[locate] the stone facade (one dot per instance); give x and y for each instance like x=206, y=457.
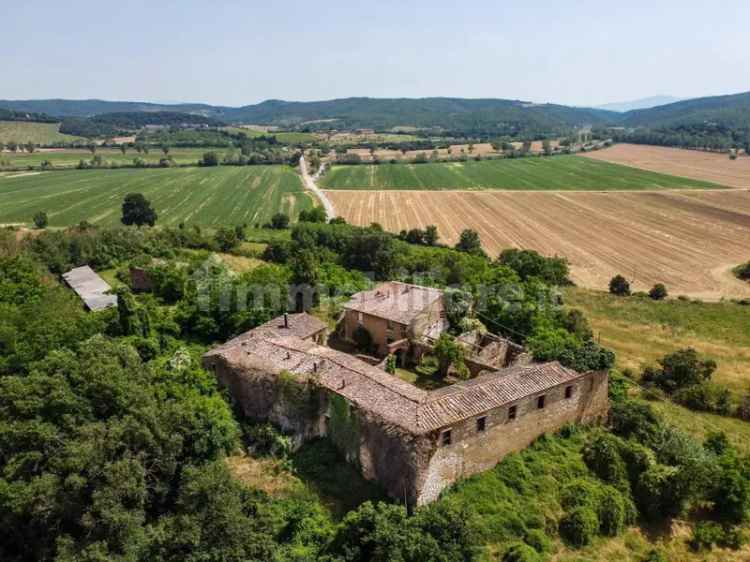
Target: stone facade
x=413, y=442
x=393, y=312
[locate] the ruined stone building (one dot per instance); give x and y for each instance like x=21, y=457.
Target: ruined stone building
x=394, y=314
x=413, y=442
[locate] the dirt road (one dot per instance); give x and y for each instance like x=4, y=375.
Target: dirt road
x=309, y=183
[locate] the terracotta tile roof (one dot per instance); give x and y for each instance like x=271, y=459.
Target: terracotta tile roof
x=90, y=287
x=301, y=325
x=368, y=387
x=388, y=397
x=469, y=398
x=399, y=302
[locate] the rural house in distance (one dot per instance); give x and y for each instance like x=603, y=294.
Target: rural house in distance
x=414, y=442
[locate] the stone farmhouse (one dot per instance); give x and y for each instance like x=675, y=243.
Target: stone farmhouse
x=412, y=441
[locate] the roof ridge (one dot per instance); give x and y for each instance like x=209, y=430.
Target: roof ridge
x=273, y=340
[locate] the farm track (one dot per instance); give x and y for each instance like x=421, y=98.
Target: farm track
x=688, y=239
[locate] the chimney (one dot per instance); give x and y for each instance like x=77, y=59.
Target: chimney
x=286, y=320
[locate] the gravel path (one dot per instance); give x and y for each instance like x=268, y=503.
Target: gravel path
x=309, y=182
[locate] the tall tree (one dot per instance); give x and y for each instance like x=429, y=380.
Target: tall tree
x=137, y=210
x=470, y=242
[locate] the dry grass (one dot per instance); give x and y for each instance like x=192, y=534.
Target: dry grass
x=265, y=474
x=641, y=331
x=240, y=264
x=706, y=166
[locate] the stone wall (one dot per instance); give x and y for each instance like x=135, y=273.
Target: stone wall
x=292, y=405
x=472, y=451
x=382, y=452
x=385, y=453
x=378, y=328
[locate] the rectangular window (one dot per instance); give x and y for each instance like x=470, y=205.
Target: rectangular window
x=512, y=413
x=540, y=403
x=568, y=391
x=481, y=424
x=360, y=318
x=446, y=438
x=390, y=324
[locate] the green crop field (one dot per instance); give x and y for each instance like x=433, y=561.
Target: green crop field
x=37, y=133
x=69, y=158
x=555, y=173
x=209, y=196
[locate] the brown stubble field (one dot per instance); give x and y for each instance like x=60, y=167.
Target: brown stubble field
x=694, y=164
x=688, y=240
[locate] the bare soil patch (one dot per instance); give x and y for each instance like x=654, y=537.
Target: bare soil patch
x=688, y=240
x=694, y=164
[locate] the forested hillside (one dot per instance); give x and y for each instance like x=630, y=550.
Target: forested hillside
x=724, y=111
x=110, y=124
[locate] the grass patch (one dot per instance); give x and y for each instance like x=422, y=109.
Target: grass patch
x=226, y=195
x=70, y=157
x=37, y=133
x=240, y=264
x=641, y=331
x=556, y=173
x=420, y=379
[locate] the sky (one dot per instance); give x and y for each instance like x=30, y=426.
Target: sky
x=231, y=52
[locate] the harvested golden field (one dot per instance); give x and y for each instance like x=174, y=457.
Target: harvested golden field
x=688, y=240
x=694, y=164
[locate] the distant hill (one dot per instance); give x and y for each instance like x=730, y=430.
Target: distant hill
x=731, y=112
x=489, y=115
x=643, y=103
x=89, y=108
x=474, y=116
x=445, y=113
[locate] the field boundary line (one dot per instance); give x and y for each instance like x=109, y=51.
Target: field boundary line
x=551, y=191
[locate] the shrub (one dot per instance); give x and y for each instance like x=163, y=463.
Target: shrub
x=658, y=292
x=706, y=534
x=656, y=556
x=538, y=540
x=657, y=493
x=579, y=526
x=602, y=455
x=521, y=552
x=634, y=419
x=612, y=514
x=706, y=397
x=41, y=220
x=734, y=538
x=743, y=271
x=619, y=286
x=210, y=159
x=279, y=221
x=680, y=369
x=732, y=496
